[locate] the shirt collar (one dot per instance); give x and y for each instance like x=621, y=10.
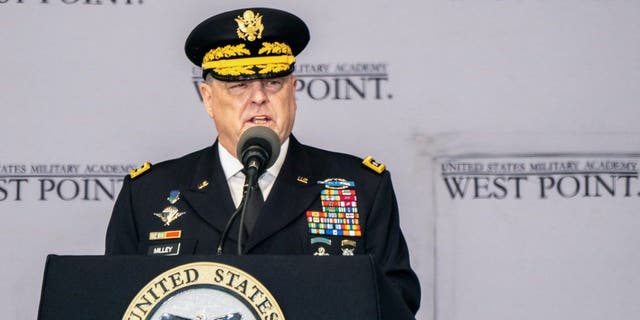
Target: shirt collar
x=231, y=165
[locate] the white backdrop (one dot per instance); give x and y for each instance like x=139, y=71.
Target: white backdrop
x=92, y=87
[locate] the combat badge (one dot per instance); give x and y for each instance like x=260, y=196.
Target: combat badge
x=348, y=247
x=337, y=183
x=169, y=215
x=319, y=242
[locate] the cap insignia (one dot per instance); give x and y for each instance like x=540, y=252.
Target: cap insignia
x=226, y=52
x=250, y=26
x=244, y=66
x=275, y=48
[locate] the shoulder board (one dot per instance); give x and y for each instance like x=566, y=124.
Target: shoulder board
x=373, y=165
x=136, y=172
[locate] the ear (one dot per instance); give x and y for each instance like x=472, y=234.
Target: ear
x=206, y=93
x=293, y=88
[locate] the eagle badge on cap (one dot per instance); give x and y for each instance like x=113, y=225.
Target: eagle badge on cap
x=250, y=26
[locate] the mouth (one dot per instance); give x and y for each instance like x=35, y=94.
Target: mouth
x=260, y=120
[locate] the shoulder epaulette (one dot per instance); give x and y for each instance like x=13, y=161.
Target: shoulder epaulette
x=373, y=165
x=136, y=172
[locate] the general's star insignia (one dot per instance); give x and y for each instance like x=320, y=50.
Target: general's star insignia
x=169, y=214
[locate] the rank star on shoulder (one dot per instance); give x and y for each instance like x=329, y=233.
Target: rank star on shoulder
x=169, y=214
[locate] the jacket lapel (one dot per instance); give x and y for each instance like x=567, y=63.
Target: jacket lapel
x=211, y=200
x=289, y=197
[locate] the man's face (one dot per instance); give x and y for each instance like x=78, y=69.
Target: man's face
x=237, y=106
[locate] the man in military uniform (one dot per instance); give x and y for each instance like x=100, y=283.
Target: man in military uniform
x=316, y=202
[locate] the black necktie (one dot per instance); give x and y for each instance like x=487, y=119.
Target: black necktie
x=254, y=206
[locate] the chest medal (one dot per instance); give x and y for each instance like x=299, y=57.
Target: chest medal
x=339, y=215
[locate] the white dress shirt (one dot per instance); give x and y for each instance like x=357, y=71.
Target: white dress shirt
x=235, y=178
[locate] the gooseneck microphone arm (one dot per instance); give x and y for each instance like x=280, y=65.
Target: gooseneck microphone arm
x=225, y=233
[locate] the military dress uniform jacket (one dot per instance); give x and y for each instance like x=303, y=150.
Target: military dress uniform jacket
x=282, y=228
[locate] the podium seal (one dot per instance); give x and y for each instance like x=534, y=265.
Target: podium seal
x=204, y=291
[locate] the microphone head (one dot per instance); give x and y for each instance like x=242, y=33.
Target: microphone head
x=262, y=137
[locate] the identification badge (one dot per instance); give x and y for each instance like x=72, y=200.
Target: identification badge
x=166, y=249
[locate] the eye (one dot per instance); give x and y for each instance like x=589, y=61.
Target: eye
x=273, y=84
x=236, y=85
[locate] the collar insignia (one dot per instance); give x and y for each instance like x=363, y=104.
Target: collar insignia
x=203, y=184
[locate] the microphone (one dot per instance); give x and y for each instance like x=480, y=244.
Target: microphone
x=257, y=149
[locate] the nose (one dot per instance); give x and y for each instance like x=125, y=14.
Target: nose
x=258, y=93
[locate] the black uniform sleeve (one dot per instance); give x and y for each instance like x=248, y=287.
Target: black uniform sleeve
x=387, y=244
x=122, y=236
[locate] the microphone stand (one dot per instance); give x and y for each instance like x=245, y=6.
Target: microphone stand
x=250, y=185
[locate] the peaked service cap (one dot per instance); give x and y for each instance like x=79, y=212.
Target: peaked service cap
x=245, y=44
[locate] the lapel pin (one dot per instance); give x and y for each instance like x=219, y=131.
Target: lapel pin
x=304, y=180
x=203, y=184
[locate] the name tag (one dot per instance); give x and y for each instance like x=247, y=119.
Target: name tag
x=165, y=249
